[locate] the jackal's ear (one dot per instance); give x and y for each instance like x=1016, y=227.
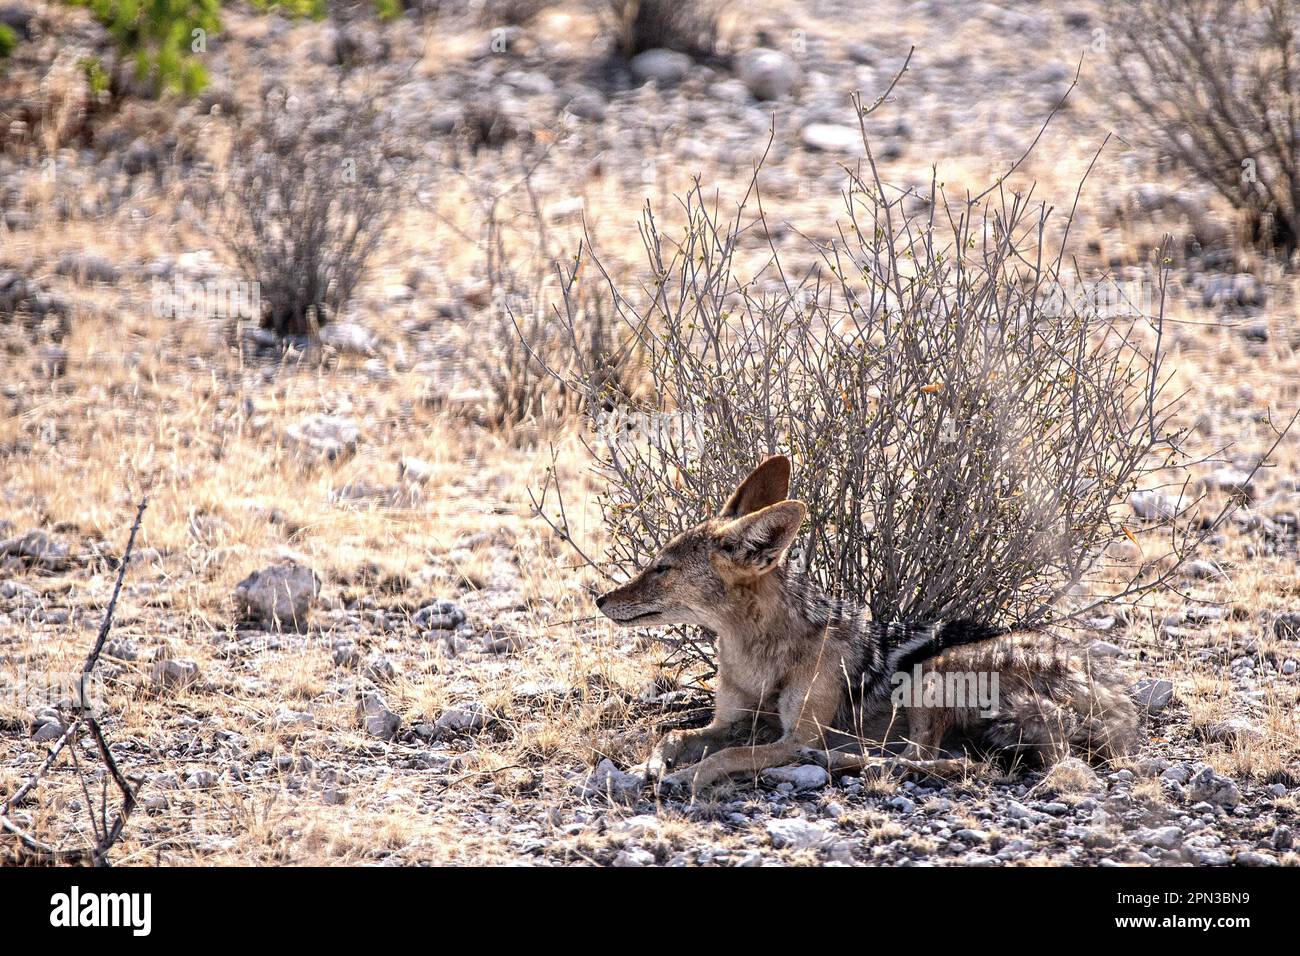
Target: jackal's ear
x=766, y=485
x=759, y=540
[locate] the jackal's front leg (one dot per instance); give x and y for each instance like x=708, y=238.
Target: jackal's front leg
x=683, y=747
x=806, y=710
x=747, y=760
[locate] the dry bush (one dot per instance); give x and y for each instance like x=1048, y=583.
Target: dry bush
x=965, y=429
x=690, y=26
x=1215, y=84
x=531, y=356
x=306, y=198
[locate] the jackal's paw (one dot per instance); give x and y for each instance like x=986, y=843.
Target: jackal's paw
x=676, y=784
x=686, y=781
x=652, y=769
x=669, y=750
x=647, y=771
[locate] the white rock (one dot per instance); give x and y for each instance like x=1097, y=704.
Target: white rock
x=1153, y=694
x=323, y=437
x=1210, y=787
x=174, y=673
x=797, y=834
x=607, y=780
x=1201, y=570
x=1164, y=837
x=1153, y=505
x=665, y=67
x=802, y=776
x=375, y=716
x=768, y=74
x=348, y=337
x=832, y=138
x=278, y=596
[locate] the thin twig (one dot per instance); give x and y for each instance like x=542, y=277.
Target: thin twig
x=106, y=835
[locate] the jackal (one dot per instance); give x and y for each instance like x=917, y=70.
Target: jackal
x=787, y=650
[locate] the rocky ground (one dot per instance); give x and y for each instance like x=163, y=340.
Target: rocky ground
x=344, y=638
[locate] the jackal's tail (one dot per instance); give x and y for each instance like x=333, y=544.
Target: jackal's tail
x=940, y=638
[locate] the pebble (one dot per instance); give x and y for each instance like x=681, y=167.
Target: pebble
x=799, y=776
x=174, y=673
x=1211, y=788
x=1234, y=730
x=832, y=138
x=1164, y=837
x=280, y=595
x=608, y=781
x=767, y=74
x=461, y=720
x=664, y=67
x=796, y=833
x=1153, y=694
x=440, y=615
x=376, y=718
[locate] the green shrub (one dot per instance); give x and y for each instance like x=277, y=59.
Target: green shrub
x=294, y=9
x=8, y=40
x=160, y=38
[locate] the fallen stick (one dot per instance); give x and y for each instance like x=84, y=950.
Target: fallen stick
x=110, y=834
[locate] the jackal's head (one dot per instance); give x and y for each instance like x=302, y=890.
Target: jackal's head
x=701, y=573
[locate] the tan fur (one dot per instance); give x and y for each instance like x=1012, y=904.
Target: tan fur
x=788, y=652
x=1053, y=699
